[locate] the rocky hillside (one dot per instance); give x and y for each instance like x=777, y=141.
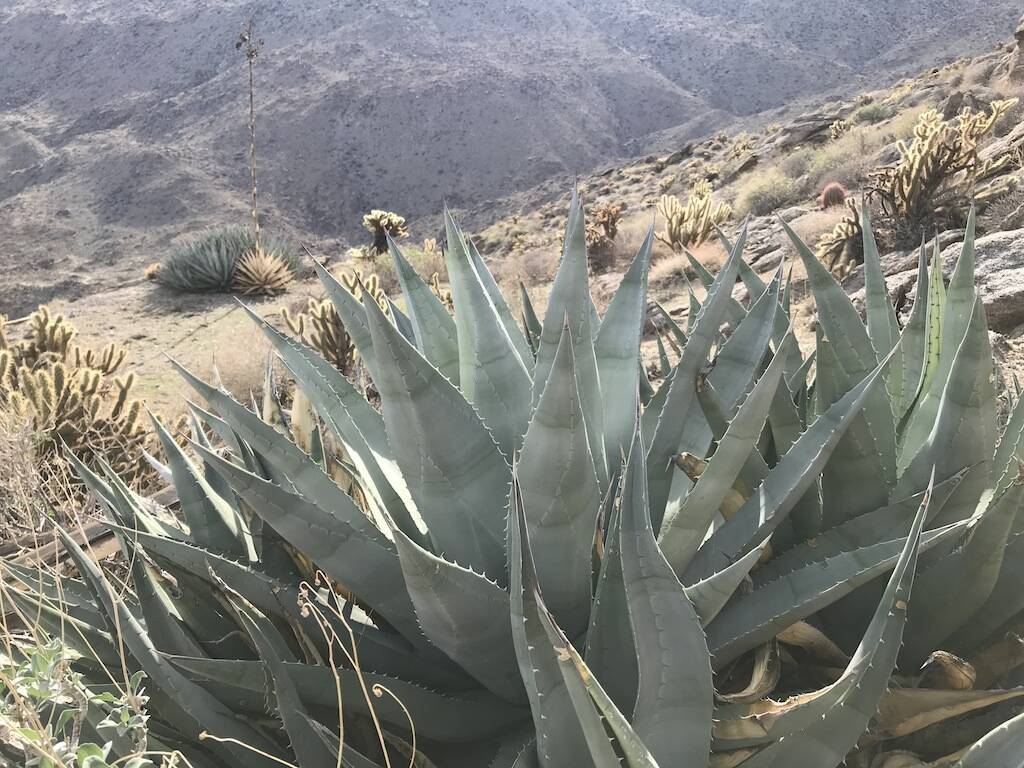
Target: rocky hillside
x=122, y=124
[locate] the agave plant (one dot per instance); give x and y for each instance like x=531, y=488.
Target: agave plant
x=210, y=261
x=553, y=562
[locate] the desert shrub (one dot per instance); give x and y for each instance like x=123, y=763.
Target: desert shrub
x=872, y=113
x=693, y=223
x=209, y=261
x=832, y=194
x=798, y=162
x=767, y=192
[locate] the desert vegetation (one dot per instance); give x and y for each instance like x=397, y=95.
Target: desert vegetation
x=843, y=510
x=634, y=484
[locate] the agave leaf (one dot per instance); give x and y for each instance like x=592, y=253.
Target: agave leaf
x=610, y=652
x=820, y=729
x=883, y=329
x=685, y=527
x=118, y=502
x=498, y=300
x=1010, y=451
x=378, y=650
x=949, y=592
x=850, y=479
x=1005, y=601
x=560, y=737
x=560, y=492
x=964, y=422
x=83, y=634
x=349, y=757
x=677, y=333
x=492, y=376
x=854, y=351
x=299, y=472
x=310, y=751
x=672, y=715
x=1000, y=748
x=454, y=717
x=616, y=349
x=357, y=425
x=914, y=344
x=947, y=327
x=163, y=627
x=598, y=745
x=212, y=522
x=454, y=469
x=739, y=361
x=783, y=487
x=433, y=327
x=353, y=317
x=758, y=616
x=681, y=395
x=734, y=311
x=873, y=527
x=589, y=700
x=464, y=615
x=570, y=303
x=711, y=595
x=664, y=364
x=530, y=320
x=190, y=708
x=366, y=564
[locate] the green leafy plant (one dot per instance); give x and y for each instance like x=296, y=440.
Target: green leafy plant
x=555, y=564
x=52, y=720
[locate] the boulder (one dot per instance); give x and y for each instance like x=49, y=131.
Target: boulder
x=999, y=275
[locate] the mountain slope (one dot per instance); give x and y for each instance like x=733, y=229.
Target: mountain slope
x=122, y=126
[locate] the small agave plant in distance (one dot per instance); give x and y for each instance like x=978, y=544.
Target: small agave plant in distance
x=544, y=560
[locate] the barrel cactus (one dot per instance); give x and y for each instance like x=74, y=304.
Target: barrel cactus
x=556, y=563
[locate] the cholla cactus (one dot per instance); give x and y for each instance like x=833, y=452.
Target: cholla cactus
x=381, y=224
x=693, y=223
x=940, y=170
x=601, y=234
x=259, y=272
x=741, y=146
x=838, y=128
x=841, y=250
x=320, y=327
x=355, y=283
x=71, y=396
x=443, y=294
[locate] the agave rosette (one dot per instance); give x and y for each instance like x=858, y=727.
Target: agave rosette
x=530, y=572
